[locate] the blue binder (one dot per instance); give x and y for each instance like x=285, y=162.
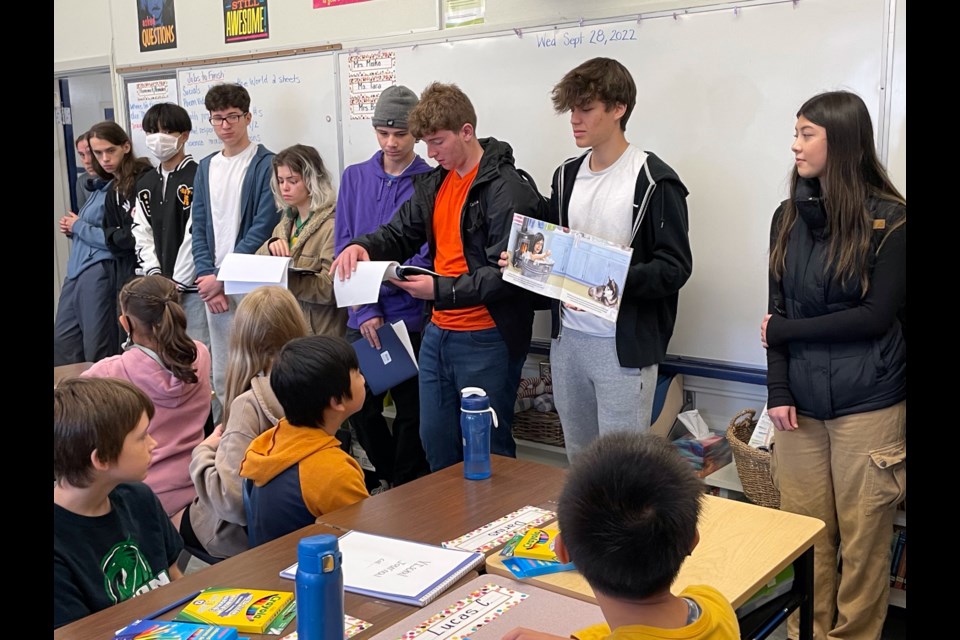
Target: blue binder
x=390, y=365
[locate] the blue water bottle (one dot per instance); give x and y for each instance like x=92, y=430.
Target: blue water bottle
x=476, y=414
x=319, y=589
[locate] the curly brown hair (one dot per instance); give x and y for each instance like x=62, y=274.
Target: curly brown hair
x=442, y=107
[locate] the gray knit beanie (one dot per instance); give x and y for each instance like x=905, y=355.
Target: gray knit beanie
x=394, y=106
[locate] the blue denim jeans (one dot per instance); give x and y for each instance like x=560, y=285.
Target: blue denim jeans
x=450, y=361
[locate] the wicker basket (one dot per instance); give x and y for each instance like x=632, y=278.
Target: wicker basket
x=538, y=426
x=753, y=465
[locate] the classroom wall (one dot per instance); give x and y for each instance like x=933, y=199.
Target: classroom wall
x=83, y=37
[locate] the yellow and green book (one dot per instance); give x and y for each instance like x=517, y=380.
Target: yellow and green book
x=247, y=610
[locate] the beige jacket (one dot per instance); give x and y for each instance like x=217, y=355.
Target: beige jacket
x=217, y=515
x=314, y=251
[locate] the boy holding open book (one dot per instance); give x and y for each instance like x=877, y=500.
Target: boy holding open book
x=297, y=471
x=628, y=518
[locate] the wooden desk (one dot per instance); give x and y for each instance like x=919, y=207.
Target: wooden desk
x=443, y=505
x=742, y=546
x=432, y=509
x=257, y=568
x=65, y=371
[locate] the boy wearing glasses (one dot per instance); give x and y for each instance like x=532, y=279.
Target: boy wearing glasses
x=233, y=211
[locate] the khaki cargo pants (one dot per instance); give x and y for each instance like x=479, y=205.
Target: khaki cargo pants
x=851, y=473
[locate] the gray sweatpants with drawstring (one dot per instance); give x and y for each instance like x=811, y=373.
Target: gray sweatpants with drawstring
x=593, y=393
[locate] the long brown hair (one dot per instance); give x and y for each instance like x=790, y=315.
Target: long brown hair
x=266, y=319
x=852, y=174
x=130, y=167
x=153, y=303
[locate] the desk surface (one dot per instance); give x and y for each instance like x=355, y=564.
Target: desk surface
x=742, y=546
x=443, y=505
x=65, y=371
x=258, y=568
x=432, y=509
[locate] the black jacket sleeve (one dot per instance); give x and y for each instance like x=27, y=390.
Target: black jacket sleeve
x=869, y=319
x=405, y=234
x=671, y=262
x=778, y=358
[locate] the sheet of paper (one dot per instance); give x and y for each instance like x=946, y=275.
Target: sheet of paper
x=363, y=287
x=400, y=328
x=242, y=272
x=502, y=529
x=464, y=617
x=351, y=627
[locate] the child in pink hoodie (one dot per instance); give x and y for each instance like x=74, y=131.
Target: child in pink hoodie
x=174, y=371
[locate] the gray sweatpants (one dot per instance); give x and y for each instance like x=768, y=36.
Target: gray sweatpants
x=593, y=393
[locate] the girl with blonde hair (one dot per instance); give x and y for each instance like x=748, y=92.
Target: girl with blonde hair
x=266, y=319
x=303, y=192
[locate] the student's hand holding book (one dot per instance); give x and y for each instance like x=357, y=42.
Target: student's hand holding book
x=346, y=263
x=420, y=287
x=369, y=331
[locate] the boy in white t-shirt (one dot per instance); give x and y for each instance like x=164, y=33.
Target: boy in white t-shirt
x=233, y=212
x=605, y=373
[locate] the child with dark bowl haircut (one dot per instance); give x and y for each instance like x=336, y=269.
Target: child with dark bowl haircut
x=112, y=539
x=628, y=519
x=297, y=471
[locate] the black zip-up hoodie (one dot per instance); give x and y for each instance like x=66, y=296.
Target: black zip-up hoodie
x=496, y=194
x=661, y=262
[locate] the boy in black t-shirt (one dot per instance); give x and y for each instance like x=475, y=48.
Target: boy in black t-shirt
x=111, y=540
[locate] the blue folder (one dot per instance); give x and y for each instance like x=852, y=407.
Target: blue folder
x=387, y=367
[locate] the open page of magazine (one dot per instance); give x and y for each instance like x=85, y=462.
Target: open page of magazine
x=561, y=263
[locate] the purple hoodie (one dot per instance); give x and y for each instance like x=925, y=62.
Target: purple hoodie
x=368, y=198
x=181, y=411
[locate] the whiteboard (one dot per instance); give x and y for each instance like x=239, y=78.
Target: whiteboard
x=718, y=90
x=141, y=95
x=292, y=101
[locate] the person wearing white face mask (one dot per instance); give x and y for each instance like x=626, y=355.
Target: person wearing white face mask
x=161, y=219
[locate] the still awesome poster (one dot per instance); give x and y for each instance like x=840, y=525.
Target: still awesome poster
x=156, y=25
x=245, y=20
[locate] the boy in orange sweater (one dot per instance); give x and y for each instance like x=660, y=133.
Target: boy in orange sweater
x=297, y=471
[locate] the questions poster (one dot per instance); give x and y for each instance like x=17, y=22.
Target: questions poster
x=245, y=20
x=156, y=25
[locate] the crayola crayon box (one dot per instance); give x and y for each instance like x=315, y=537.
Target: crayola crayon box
x=537, y=544
x=172, y=630
x=247, y=610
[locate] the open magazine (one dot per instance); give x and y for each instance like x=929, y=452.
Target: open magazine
x=561, y=263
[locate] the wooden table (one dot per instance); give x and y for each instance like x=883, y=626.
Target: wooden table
x=257, y=568
x=432, y=509
x=443, y=505
x=742, y=546
x=65, y=371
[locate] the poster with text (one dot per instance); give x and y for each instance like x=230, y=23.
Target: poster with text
x=322, y=4
x=245, y=20
x=156, y=25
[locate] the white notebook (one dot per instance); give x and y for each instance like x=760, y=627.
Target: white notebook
x=398, y=570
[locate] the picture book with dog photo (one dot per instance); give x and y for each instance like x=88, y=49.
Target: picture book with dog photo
x=576, y=268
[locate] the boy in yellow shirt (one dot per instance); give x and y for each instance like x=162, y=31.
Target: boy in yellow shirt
x=628, y=519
